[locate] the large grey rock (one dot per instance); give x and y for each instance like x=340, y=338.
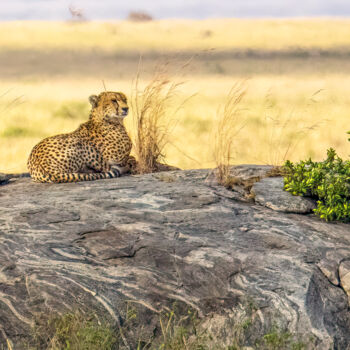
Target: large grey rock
x=269, y=192
x=344, y=276
x=167, y=237
x=5, y=178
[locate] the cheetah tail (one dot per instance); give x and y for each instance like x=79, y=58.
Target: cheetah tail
x=75, y=177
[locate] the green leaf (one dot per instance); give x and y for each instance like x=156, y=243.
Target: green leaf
x=327, y=181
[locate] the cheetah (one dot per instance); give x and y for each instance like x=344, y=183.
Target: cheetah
x=97, y=149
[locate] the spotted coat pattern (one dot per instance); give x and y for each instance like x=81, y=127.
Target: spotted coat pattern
x=98, y=149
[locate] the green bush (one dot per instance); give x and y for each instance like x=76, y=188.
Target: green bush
x=328, y=182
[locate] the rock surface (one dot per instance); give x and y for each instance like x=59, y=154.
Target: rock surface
x=344, y=276
x=174, y=236
x=5, y=178
x=269, y=192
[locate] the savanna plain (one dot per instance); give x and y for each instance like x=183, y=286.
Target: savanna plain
x=294, y=76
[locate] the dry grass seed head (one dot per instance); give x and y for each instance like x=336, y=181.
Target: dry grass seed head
x=285, y=133
x=229, y=124
x=153, y=120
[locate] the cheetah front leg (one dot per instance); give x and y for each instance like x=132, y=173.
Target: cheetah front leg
x=123, y=167
x=95, y=162
x=105, y=166
x=117, y=157
x=131, y=164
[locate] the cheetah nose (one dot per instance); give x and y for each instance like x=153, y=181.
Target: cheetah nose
x=125, y=110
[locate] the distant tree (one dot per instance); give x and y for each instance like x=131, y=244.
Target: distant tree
x=77, y=14
x=139, y=16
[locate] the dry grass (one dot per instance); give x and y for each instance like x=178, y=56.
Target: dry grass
x=73, y=330
x=229, y=123
x=46, y=109
x=56, y=81
x=173, y=35
x=153, y=121
x=287, y=130
x=177, y=329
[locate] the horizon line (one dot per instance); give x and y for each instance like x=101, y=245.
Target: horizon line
x=296, y=17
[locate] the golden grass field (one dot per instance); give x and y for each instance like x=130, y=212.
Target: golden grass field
x=296, y=74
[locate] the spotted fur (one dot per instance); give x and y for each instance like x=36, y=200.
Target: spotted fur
x=98, y=149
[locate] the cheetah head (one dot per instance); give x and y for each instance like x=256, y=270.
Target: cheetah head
x=109, y=105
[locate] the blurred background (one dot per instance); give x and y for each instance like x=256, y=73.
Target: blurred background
x=291, y=60
x=164, y=9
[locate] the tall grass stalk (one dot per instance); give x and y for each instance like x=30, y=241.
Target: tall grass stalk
x=286, y=133
x=229, y=123
x=153, y=120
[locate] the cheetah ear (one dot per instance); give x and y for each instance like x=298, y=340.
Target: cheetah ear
x=93, y=99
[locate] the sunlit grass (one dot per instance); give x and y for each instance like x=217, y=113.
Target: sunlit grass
x=284, y=119
x=152, y=121
x=170, y=35
x=229, y=123
x=191, y=145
